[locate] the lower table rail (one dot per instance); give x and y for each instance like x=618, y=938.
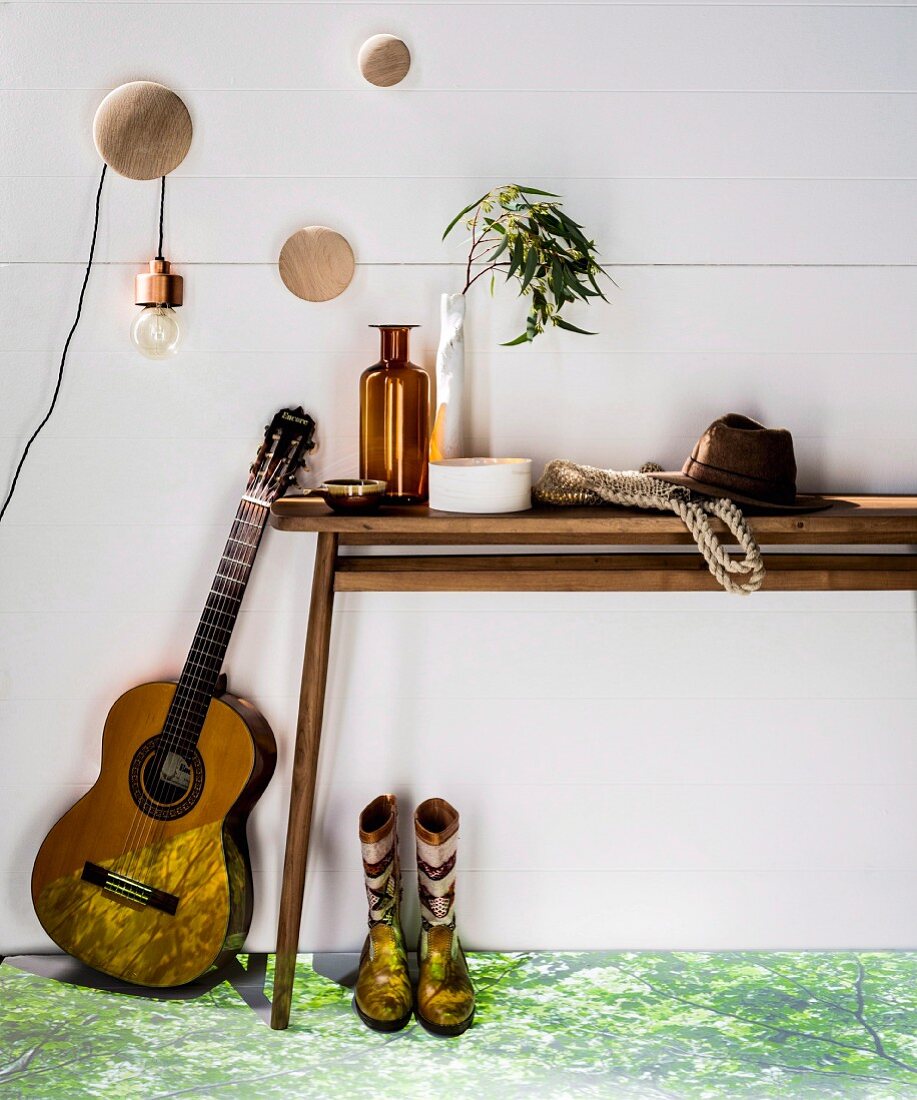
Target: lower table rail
x=642, y=572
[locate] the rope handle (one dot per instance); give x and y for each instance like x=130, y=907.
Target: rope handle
x=723, y=565
x=563, y=480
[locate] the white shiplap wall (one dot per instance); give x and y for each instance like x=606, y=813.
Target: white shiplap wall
x=633, y=771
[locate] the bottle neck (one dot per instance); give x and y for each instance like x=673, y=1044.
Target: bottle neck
x=394, y=345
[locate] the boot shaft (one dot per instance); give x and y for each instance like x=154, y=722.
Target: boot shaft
x=436, y=826
x=381, y=862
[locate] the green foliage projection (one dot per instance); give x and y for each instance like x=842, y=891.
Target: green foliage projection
x=548, y=1027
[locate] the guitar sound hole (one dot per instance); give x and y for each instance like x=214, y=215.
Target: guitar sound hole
x=166, y=781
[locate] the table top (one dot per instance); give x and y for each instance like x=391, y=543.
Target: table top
x=852, y=519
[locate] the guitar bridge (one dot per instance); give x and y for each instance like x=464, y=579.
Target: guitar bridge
x=129, y=889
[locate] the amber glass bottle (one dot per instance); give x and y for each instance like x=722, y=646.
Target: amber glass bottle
x=395, y=420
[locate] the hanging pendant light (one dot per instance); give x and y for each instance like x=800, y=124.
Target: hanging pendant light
x=156, y=331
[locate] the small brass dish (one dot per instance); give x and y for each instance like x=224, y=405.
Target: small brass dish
x=350, y=494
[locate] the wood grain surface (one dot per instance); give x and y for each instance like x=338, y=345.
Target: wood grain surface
x=316, y=263
x=852, y=519
x=384, y=60
x=305, y=769
x=617, y=573
x=142, y=130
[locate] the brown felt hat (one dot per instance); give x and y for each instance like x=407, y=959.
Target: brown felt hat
x=739, y=458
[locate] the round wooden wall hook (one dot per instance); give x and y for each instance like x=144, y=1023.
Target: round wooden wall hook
x=384, y=60
x=142, y=130
x=316, y=263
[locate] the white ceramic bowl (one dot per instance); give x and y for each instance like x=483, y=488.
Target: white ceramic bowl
x=484, y=485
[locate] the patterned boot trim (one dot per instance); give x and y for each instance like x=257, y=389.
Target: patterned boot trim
x=436, y=831
x=381, y=863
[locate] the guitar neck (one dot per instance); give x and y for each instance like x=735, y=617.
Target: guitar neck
x=205, y=659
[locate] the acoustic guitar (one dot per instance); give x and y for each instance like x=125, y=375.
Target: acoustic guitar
x=147, y=877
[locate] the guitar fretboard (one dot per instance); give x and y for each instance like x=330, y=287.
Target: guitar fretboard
x=205, y=659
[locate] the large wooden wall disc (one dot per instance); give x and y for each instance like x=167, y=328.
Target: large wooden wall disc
x=316, y=263
x=142, y=130
x=384, y=60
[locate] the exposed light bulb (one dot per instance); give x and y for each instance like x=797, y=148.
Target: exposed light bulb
x=156, y=332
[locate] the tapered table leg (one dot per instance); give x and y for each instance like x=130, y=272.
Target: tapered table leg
x=305, y=764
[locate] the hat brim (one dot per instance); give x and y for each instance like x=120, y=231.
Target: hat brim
x=803, y=502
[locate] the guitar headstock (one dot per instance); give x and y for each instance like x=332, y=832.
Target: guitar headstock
x=287, y=440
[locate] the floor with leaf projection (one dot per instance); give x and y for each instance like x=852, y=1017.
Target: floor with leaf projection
x=548, y=1026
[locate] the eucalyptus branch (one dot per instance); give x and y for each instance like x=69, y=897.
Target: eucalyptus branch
x=546, y=252
x=483, y=271
x=474, y=243
x=475, y=257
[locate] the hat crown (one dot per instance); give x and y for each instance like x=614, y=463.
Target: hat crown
x=738, y=455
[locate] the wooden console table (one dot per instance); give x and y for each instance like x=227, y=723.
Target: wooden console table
x=852, y=522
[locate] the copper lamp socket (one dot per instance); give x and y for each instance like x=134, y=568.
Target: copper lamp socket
x=158, y=286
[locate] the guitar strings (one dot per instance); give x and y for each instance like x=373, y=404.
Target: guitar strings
x=141, y=833
x=207, y=651
x=271, y=472
x=145, y=824
x=205, y=640
x=265, y=482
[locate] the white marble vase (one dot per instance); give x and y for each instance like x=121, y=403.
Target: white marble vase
x=447, y=438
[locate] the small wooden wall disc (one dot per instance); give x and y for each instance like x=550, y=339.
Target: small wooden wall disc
x=142, y=130
x=384, y=60
x=316, y=263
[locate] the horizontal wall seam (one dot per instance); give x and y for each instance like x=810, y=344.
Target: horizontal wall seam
x=478, y=90
x=904, y=613
x=612, y=266
x=344, y=696
x=565, y=354
x=725, y=784
x=178, y=177
x=472, y=4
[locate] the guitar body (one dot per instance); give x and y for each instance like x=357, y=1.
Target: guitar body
x=158, y=895
x=147, y=877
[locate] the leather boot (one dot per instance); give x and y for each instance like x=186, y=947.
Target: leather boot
x=383, y=997
x=445, y=996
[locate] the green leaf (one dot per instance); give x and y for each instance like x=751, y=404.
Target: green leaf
x=561, y=323
x=572, y=232
x=462, y=213
x=598, y=289
x=512, y=343
x=567, y=220
x=535, y=191
x=575, y=290
x=557, y=282
x=517, y=257
x=531, y=262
